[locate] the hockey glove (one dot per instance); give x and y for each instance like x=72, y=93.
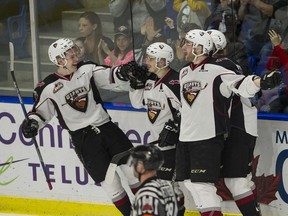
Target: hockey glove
x=137, y=84
x=126, y=72
x=122, y=73
x=141, y=76
x=30, y=128
x=141, y=73
x=271, y=79
x=169, y=135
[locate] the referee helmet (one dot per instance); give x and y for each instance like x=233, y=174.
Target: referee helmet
x=151, y=157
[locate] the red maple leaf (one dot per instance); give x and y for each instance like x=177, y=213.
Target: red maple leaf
x=223, y=191
x=266, y=187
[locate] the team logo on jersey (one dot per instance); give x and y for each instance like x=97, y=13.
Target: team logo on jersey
x=57, y=87
x=153, y=110
x=78, y=99
x=191, y=90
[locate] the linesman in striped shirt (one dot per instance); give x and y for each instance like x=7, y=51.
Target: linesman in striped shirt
x=156, y=197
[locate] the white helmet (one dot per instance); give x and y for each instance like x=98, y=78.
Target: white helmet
x=200, y=37
x=160, y=51
x=218, y=38
x=58, y=49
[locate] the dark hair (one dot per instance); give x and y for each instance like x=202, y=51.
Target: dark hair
x=117, y=50
x=94, y=19
x=125, y=31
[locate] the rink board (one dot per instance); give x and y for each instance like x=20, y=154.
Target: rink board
x=23, y=185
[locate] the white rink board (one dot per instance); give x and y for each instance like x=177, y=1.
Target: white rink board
x=70, y=181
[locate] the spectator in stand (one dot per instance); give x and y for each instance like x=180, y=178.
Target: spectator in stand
x=152, y=33
x=172, y=33
x=225, y=19
x=91, y=28
x=141, y=10
x=278, y=60
x=279, y=57
x=123, y=51
x=83, y=56
x=8, y=8
x=257, y=18
x=195, y=11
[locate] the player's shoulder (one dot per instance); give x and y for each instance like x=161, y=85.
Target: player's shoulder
x=172, y=78
x=226, y=63
x=45, y=82
x=90, y=67
x=86, y=62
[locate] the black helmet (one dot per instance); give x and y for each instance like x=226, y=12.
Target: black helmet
x=151, y=157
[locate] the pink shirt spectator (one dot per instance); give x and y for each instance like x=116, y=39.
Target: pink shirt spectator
x=127, y=58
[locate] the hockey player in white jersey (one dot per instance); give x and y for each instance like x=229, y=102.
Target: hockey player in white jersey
x=238, y=150
x=71, y=94
x=206, y=88
x=156, y=196
x=159, y=95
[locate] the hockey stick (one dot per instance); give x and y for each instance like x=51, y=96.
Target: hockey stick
x=11, y=49
x=132, y=33
x=115, y=160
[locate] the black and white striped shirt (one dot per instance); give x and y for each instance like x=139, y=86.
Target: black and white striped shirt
x=156, y=197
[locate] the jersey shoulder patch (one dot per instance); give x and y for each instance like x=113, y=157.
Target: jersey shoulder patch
x=172, y=78
x=42, y=85
x=227, y=63
x=49, y=79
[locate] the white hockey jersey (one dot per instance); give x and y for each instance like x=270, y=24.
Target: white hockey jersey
x=160, y=98
x=75, y=101
x=206, y=89
x=243, y=114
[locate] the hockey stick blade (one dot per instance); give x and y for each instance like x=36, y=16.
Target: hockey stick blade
x=114, y=163
x=11, y=50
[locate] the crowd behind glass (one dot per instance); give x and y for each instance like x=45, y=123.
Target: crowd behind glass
x=256, y=31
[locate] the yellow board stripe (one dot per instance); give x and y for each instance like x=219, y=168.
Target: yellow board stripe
x=58, y=207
